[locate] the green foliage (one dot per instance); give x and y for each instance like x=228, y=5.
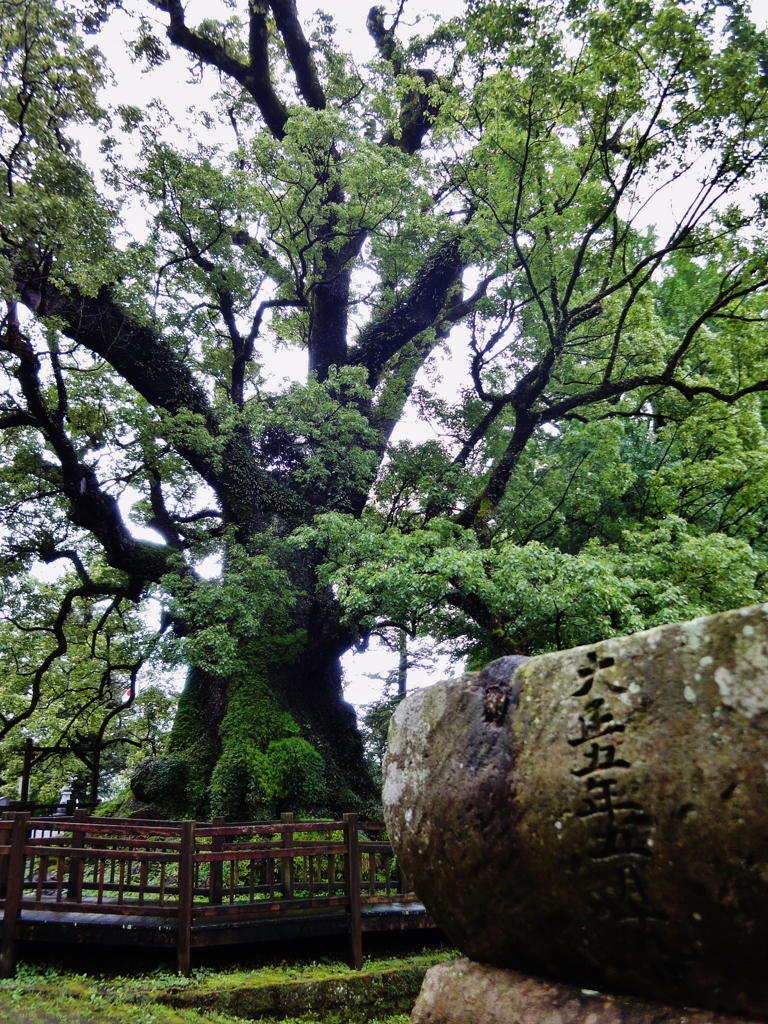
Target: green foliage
x=161, y=781
x=533, y=598
x=316, y=434
x=294, y=770
x=49, y=81
x=229, y=621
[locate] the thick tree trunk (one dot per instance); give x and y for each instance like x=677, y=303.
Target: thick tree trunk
x=231, y=736
x=313, y=694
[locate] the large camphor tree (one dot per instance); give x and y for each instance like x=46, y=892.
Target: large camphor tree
x=567, y=198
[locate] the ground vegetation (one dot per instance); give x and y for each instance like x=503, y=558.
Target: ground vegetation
x=297, y=992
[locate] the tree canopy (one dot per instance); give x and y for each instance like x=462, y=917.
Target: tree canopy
x=568, y=197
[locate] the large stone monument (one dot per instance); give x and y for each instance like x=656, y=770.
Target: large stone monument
x=599, y=816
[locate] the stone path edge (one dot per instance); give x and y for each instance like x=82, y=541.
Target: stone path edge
x=390, y=991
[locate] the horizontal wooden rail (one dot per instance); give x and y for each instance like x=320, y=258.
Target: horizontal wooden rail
x=99, y=853
x=267, y=908
x=271, y=828
x=107, y=843
x=254, y=853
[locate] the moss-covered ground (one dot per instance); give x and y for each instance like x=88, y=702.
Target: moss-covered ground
x=325, y=992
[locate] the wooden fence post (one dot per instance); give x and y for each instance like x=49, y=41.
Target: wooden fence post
x=14, y=891
x=5, y=851
x=286, y=863
x=353, y=891
x=186, y=895
x=27, y=769
x=76, y=864
x=217, y=866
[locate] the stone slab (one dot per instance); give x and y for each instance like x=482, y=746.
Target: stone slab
x=463, y=992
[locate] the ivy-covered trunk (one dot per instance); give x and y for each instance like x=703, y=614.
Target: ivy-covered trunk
x=271, y=737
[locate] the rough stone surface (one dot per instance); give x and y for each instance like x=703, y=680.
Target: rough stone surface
x=462, y=992
x=605, y=823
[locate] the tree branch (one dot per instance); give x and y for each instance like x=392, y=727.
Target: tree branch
x=417, y=110
x=415, y=312
x=54, y=554
x=9, y=722
x=90, y=507
x=254, y=77
x=478, y=512
x=16, y=419
x=146, y=361
x=161, y=518
x=135, y=349
x=299, y=52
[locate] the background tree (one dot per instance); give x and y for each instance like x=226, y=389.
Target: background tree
x=69, y=668
x=604, y=465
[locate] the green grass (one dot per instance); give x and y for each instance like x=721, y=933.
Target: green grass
x=327, y=992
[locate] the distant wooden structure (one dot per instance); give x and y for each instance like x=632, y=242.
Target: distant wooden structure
x=187, y=885
x=86, y=751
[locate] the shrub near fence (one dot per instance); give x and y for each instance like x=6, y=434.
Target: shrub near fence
x=201, y=883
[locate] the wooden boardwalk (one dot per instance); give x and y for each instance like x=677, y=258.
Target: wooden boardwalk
x=185, y=885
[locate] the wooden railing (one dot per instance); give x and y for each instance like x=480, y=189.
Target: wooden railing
x=192, y=873
x=46, y=809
